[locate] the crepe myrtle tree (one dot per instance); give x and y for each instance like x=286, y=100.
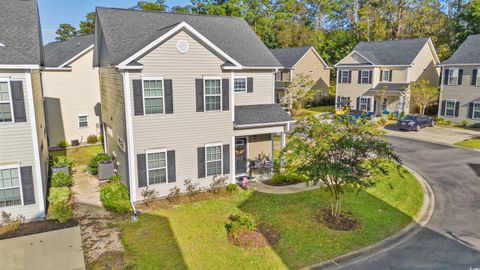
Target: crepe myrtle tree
x=424, y=94
x=298, y=92
x=342, y=155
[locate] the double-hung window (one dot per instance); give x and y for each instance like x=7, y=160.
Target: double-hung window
x=453, y=76
x=450, y=108
x=364, y=104
x=344, y=74
x=213, y=160
x=10, y=193
x=476, y=110
x=153, y=96
x=5, y=103
x=157, y=167
x=278, y=76
x=343, y=101
x=213, y=94
x=240, y=84
x=83, y=121
x=365, y=77
x=478, y=77
x=386, y=76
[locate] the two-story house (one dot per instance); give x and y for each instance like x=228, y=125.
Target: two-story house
x=184, y=97
x=460, y=88
x=303, y=60
x=376, y=76
x=23, y=143
x=72, y=91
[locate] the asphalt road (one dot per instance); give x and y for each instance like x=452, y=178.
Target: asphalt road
x=451, y=239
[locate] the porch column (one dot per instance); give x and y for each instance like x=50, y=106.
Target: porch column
x=283, y=141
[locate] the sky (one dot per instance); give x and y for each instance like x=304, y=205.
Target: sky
x=55, y=12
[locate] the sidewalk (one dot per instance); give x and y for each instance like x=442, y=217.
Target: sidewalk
x=261, y=187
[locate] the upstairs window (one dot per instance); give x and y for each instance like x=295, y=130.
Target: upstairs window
x=278, y=76
x=240, y=84
x=386, y=76
x=344, y=74
x=214, y=160
x=213, y=94
x=365, y=77
x=478, y=77
x=153, y=96
x=453, y=76
x=157, y=168
x=5, y=103
x=10, y=187
x=83, y=121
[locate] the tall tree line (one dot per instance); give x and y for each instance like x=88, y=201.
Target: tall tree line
x=333, y=27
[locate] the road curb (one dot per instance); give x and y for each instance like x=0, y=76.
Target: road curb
x=420, y=220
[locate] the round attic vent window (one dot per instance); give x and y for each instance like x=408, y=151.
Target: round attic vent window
x=182, y=46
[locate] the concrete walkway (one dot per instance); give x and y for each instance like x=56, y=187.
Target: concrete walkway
x=441, y=135
x=60, y=249
x=261, y=187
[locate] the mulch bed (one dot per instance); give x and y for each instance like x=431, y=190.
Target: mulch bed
x=344, y=222
x=37, y=227
x=271, y=234
x=270, y=183
x=265, y=235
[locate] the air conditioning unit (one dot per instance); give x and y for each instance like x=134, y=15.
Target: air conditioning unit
x=105, y=169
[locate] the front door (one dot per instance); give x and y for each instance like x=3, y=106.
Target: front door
x=241, y=156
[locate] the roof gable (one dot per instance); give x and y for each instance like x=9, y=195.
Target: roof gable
x=353, y=59
x=288, y=57
x=467, y=53
x=62, y=53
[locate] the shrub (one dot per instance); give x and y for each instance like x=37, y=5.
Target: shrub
x=231, y=187
x=464, y=123
x=63, y=144
x=287, y=179
x=149, y=194
x=11, y=224
x=115, y=197
x=448, y=122
x=218, y=183
x=440, y=120
x=476, y=125
x=59, y=195
x=192, y=188
x=100, y=138
x=93, y=166
x=63, y=161
x=92, y=139
x=174, y=194
x=240, y=222
x=382, y=122
x=61, y=179
x=392, y=116
x=114, y=179
x=61, y=212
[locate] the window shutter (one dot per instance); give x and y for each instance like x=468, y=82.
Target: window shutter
x=445, y=79
x=474, y=77
x=142, y=170
x=470, y=110
x=338, y=102
x=339, y=77
x=172, y=177
x=201, y=162
x=359, y=77
x=441, y=76
x=28, y=191
x=18, y=101
x=358, y=103
x=226, y=159
x=249, y=85
x=381, y=75
x=457, y=108
x=370, y=76
x=168, y=96
x=460, y=76
x=349, y=76
x=442, y=107
x=138, y=97
x=199, y=94
x=374, y=106
x=391, y=74
x=225, y=94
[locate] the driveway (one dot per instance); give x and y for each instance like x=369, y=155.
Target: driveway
x=60, y=249
x=433, y=134
x=451, y=239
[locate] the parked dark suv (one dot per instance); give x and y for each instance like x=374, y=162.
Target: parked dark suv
x=415, y=122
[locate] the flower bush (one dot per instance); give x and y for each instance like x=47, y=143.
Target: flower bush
x=59, y=195
x=240, y=222
x=115, y=197
x=61, y=179
x=62, y=212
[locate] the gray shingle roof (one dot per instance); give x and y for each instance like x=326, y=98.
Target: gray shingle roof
x=20, y=33
x=127, y=31
x=391, y=52
x=260, y=114
x=467, y=53
x=57, y=53
x=288, y=57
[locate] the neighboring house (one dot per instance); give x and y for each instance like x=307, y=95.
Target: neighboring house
x=182, y=98
x=23, y=143
x=304, y=60
x=460, y=89
x=72, y=90
x=376, y=76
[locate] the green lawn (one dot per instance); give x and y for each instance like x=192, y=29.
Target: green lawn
x=81, y=155
x=314, y=110
x=193, y=235
x=470, y=143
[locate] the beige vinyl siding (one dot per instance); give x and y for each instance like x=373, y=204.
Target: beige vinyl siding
x=465, y=94
x=424, y=67
x=262, y=88
x=311, y=65
x=354, y=58
x=399, y=75
x=354, y=89
x=185, y=130
x=16, y=147
x=63, y=92
x=113, y=114
x=259, y=145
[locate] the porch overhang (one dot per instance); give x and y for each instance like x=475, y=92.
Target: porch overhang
x=391, y=89
x=263, y=115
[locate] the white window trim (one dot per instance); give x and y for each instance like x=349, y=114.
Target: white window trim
x=386, y=71
x=162, y=97
x=243, y=78
x=342, y=72
x=82, y=115
x=278, y=76
x=7, y=80
x=363, y=77
x=478, y=77
x=155, y=151
x=450, y=74
x=17, y=166
x=454, y=107
x=473, y=110
x=221, y=157
x=366, y=98
x=205, y=78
